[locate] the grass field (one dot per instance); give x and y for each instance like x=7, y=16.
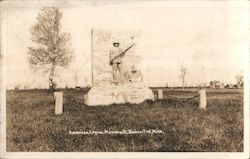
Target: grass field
x=33, y=126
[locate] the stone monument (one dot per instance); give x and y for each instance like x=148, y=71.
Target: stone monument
x=116, y=78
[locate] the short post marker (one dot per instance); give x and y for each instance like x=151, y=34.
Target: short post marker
x=160, y=94
x=203, y=99
x=58, y=96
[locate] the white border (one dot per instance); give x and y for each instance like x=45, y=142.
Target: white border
x=2, y=84
x=5, y=154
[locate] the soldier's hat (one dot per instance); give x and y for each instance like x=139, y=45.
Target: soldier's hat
x=116, y=43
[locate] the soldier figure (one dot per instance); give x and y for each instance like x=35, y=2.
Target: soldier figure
x=116, y=55
x=116, y=62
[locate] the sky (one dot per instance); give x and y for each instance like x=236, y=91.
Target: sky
x=208, y=38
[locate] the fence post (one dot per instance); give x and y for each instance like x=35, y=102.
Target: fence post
x=203, y=99
x=58, y=96
x=160, y=94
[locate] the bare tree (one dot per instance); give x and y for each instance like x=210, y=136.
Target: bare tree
x=51, y=50
x=183, y=73
x=76, y=77
x=239, y=79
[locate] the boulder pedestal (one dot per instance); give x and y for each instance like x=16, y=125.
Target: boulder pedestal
x=118, y=94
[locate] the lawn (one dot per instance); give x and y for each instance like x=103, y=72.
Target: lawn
x=32, y=125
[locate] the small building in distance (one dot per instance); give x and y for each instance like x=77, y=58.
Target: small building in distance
x=230, y=86
x=216, y=84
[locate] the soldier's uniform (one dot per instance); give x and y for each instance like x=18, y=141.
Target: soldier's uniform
x=117, y=64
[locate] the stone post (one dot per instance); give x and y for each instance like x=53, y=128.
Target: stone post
x=160, y=94
x=58, y=96
x=203, y=99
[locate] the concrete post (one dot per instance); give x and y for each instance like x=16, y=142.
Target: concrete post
x=59, y=102
x=203, y=99
x=160, y=94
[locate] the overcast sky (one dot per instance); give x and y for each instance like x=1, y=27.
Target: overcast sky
x=209, y=38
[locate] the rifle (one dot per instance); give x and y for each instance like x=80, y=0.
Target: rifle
x=121, y=54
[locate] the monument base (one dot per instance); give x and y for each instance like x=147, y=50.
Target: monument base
x=118, y=94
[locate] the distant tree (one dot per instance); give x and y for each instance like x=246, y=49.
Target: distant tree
x=166, y=85
x=17, y=87
x=76, y=77
x=26, y=87
x=51, y=50
x=67, y=87
x=239, y=79
x=183, y=73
